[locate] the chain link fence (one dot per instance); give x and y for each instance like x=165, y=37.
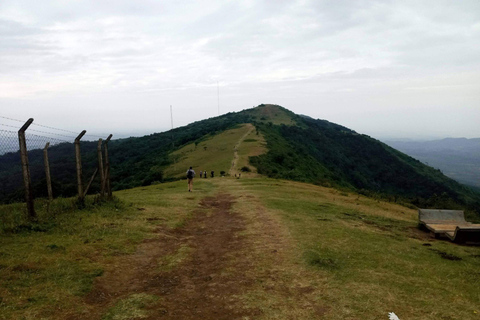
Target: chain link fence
x=60, y=149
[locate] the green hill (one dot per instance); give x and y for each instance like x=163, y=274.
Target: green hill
x=324, y=153
x=297, y=148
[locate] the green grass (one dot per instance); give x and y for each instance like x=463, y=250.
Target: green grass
x=134, y=307
x=356, y=257
x=213, y=153
x=272, y=113
x=168, y=204
x=169, y=262
x=253, y=145
x=52, y=263
x=46, y=268
x=375, y=262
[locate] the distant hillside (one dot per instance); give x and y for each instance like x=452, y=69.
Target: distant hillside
x=134, y=161
x=325, y=153
x=299, y=148
x=457, y=158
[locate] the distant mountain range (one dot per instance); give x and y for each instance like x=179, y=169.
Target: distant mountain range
x=457, y=158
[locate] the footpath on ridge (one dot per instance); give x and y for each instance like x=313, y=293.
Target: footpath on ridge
x=229, y=252
x=233, y=169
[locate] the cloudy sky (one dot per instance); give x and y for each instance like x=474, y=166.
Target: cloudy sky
x=390, y=69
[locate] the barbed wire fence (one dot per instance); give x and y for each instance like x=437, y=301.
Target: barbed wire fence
x=25, y=172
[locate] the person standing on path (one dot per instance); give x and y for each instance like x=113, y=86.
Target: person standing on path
x=190, y=175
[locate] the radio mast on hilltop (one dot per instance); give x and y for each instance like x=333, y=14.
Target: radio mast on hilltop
x=173, y=141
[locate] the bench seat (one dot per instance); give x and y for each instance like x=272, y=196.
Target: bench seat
x=450, y=224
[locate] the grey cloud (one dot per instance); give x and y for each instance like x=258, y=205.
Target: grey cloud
x=325, y=58
x=10, y=28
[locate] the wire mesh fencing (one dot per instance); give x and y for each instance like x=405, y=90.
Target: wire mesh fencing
x=45, y=145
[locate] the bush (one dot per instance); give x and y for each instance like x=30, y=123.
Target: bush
x=245, y=169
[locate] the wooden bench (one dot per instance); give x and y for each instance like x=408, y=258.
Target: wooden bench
x=450, y=224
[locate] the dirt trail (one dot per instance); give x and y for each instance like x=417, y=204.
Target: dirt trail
x=203, y=286
x=231, y=260
x=233, y=170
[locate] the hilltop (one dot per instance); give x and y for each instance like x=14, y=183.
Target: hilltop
x=289, y=146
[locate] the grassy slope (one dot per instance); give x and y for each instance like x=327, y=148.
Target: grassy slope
x=253, y=145
x=46, y=272
x=328, y=154
x=355, y=257
x=51, y=268
x=214, y=153
x=368, y=256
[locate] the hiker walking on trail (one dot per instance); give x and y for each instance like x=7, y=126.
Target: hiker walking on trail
x=205, y=174
x=190, y=175
x=201, y=172
x=213, y=173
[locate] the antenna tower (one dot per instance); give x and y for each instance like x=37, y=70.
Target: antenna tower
x=173, y=141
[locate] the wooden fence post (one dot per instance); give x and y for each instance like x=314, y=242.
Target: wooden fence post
x=100, y=168
x=107, y=186
x=26, y=171
x=90, y=182
x=47, y=171
x=78, y=158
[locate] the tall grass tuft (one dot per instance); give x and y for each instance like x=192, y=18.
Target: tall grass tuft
x=14, y=219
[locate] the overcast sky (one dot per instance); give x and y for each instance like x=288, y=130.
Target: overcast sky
x=390, y=69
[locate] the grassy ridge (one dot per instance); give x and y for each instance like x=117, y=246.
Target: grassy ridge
x=373, y=256
x=47, y=268
x=299, y=148
x=212, y=153
x=312, y=250
x=134, y=161
x=327, y=154
x=253, y=145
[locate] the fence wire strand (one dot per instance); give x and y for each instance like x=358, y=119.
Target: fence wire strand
x=36, y=140
x=9, y=141
x=88, y=136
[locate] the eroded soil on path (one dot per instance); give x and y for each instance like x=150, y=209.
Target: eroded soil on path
x=204, y=285
x=233, y=169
